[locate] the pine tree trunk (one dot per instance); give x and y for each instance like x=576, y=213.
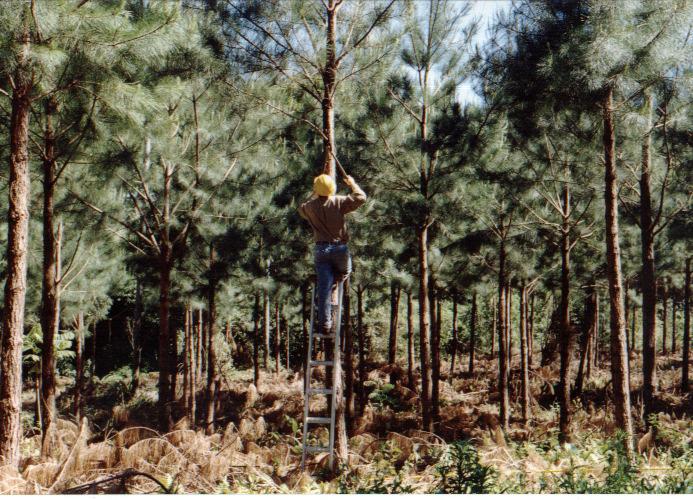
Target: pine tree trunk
x=348, y=359
x=424, y=329
x=287, y=346
x=79, y=366
x=472, y=334
x=394, y=324
x=619, y=353
x=16, y=264
x=566, y=339
x=256, y=342
x=585, y=343
x=673, y=327
x=530, y=334
x=454, y=337
x=277, y=337
x=633, y=320
x=503, y=365
x=266, y=329
x=523, y=354
x=410, y=341
x=648, y=279
x=494, y=328
x=50, y=291
x=192, y=407
x=435, y=351
x=165, y=419
x=362, y=360
x=136, y=343
x=665, y=308
x=341, y=441
x=686, y=326
x=212, y=376
x=199, y=345
x=509, y=325
x=305, y=318
x=597, y=332
x=186, y=361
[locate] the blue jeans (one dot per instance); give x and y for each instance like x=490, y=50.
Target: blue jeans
x=332, y=262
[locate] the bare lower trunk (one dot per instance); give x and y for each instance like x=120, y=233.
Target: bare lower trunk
x=530, y=333
x=79, y=366
x=165, y=419
x=410, y=342
x=494, y=328
x=619, y=353
x=266, y=329
x=435, y=352
x=199, y=348
x=523, y=355
x=585, y=343
x=673, y=327
x=665, y=307
x=686, y=326
x=424, y=330
x=212, y=375
x=453, y=349
x=187, y=343
x=256, y=342
x=277, y=337
x=362, y=358
x=15, y=268
x=566, y=339
x=394, y=323
x=503, y=365
x=472, y=335
x=348, y=359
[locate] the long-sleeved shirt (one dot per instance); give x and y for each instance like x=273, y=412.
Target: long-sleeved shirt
x=326, y=214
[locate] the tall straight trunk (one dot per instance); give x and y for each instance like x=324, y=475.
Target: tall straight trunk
x=454, y=337
x=472, y=334
x=424, y=329
x=348, y=358
x=199, y=348
x=212, y=375
x=626, y=309
x=16, y=263
x=509, y=323
x=665, y=307
x=530, y=333
x=503, y=365
x=277, y=337
x=305, y=318
x=648, y=279
x=136, y=342
x=165, y=419
x=256, y=342
x=287, y=346
x=597, y=331
x=204, y=335
x=686, y=326
x=394, y=324
x=341, y=440
x=192, y=408
x=435, y=351
x=619, y=352
x=173, y=362
x=362, y=360
x=266, y=329
x=523, y=354
x=186, y=360
x=329, y=79
x=633, y=320
x=673, y=327
x=79, y=366
x=410, y=341
x=566, y=339
x=494, y=328
x=50, y=290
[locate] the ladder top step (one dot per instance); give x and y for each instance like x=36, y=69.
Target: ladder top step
x=319, y=390
x=318, y=420
x=321, y=362
x=317, y=449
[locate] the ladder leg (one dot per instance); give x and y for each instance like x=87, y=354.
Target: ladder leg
x=306, y=384
x=336, y=372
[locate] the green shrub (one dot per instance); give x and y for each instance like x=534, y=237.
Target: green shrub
x=460, y=471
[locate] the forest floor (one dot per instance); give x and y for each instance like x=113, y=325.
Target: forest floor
x=257, y=448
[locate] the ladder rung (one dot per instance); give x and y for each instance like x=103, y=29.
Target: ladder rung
x=321, y=362
x=319, y=390
x=318, y=420
x=317, y=449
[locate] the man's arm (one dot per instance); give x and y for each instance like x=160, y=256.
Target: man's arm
x=355, y=199
x=302, y=206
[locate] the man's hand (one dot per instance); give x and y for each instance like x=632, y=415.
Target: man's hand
x=349, y=181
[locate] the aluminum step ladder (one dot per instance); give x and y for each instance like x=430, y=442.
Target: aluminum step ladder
x=327, y=391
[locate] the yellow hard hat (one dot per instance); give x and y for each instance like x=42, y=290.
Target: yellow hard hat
x=324, y=185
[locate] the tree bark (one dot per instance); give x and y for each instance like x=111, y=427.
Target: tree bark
x=266, y=329
x=136, y=343
x=394, y=324
x=212, y=375
x=619, y=353
x=503, y=365
x=277, y=337
x=79, y=366
x=329, y=78
x=454, y=337
x=305, y=318
x=348, y=359
x=424, y=329
x=199, y=346
x=523, y=354
x=494, y=328
x=586, y=342
x=673, y=327
x=362, y=360
x=566, y=339
x=186, y=361
x=16, y=267
x=665, y=308
x=256, y=342
x=50, y=290
x=435, y=351
x=165, y=419
x=530, y=334
x=472, y=334
x=686, y=326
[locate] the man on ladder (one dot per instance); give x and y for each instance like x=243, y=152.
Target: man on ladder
x=325, y=212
